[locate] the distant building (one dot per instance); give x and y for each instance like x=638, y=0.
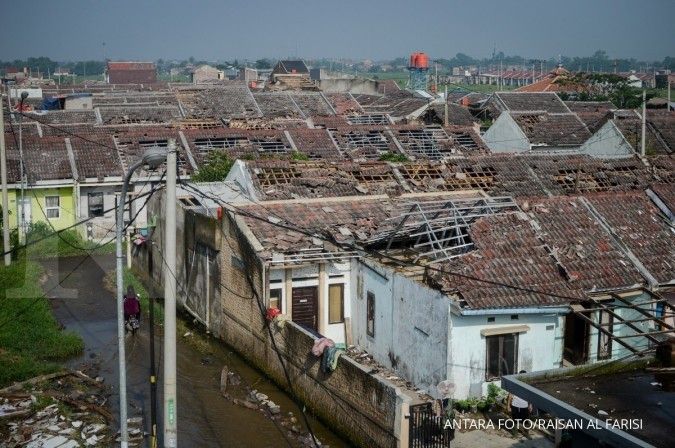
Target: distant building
x=292, y=68
x=131, y=72
x=248, y=74
x=206, y=73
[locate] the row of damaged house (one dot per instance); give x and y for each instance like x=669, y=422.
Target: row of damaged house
x=400, y=261
x=462, y=271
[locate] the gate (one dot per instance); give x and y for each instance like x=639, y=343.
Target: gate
x=426, y=428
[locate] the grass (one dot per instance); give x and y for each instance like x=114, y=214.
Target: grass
x=31, y=341
x=68, y=243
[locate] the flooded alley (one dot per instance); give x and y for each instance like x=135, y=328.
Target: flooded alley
x=205, y=418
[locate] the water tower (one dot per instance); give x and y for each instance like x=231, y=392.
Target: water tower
x=419, y=71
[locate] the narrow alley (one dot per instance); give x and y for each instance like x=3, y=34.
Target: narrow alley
x=206, y=419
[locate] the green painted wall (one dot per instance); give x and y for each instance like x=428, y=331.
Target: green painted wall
x=67, y=213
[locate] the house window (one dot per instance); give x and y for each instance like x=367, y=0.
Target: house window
x=275, y=298
x=95, y=202
x=52, y=204
x=370, y=314
x=336, y=303
x=502, y=355
x=606, y=321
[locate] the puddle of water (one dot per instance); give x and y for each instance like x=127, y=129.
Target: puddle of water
x=205, y=418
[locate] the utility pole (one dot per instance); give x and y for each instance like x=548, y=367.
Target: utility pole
x=446, y=121
x=22, y=172
x=668, y=80
x=5, y=199
x=644, y=122
x=170, y=406
x=153, y=375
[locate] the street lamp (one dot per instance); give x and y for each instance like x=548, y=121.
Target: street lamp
x=153, y=157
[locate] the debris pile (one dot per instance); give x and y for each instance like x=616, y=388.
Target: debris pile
x=232, y=388
x=64, y=410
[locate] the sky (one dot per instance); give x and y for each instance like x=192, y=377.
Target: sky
x=69, y=30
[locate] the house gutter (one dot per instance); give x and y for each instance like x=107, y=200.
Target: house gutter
x=502, y=311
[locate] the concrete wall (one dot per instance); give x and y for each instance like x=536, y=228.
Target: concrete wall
x=99, y=226
x=358, y=85
x=506, y=136
x=36, y=197
x=607, y=143
x=618, y=329
x=539, y=348
x=411, y=324
x=79, y=103
x=363, y=407
x=334, y=274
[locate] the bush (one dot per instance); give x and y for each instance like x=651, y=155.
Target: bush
x=393, y=157
x=299, y=156
x=216, y=168
x=482, y=404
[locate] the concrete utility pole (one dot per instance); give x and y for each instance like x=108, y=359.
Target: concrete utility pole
x=153, y=157
x=170, y=406
x=644, y=123
x=446, y=121
x=23, y=227
x=5, y=199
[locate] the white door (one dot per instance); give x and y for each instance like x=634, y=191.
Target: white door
x=25, y=213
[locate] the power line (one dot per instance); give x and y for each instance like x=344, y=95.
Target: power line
x=37, y=299
x=296, y=228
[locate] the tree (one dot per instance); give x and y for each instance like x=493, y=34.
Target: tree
x=263, y=64
x=216, y=168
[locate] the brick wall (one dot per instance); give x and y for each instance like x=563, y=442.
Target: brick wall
x=365, y=408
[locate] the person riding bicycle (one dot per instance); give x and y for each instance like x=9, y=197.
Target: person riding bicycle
x=132, y=306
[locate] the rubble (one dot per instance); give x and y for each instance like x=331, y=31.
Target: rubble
x=64, y=410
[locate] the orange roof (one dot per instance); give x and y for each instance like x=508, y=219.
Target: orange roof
x=558, y=80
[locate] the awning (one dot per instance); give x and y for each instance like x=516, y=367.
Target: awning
x=505, y=330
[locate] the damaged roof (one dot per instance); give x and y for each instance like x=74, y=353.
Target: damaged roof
x=547, y=129
x=527, y=102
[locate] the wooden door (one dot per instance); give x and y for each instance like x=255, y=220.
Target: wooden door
x=306, y=306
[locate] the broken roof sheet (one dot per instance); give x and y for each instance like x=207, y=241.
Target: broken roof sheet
x=315, y=143
x=238, y=143
x=527, y=102
x=46, y=159
x=343, y=220
x=343, y=103
x=221, y=102
x=521, y=260
x=642, y=228
x=545, y=129
x=96, y=158
x=277, y=179
x=457, y=115
x=584, y=249
x=116, y=115
x=592, y=113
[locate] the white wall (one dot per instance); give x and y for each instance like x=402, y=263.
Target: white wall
x=639, y=343
x=411, y=324
x=539, y=348
x=338, y=273
x=607, y=143
x=506, y=136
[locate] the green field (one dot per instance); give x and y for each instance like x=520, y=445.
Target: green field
x=31, y=341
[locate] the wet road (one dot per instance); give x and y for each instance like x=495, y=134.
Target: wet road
x=205, y=418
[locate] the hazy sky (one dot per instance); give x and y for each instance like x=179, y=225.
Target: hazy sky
x=375, y=29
